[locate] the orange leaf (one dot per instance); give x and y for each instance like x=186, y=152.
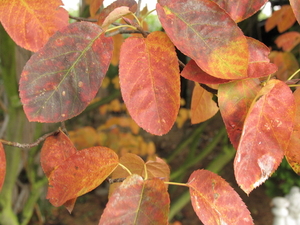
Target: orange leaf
x=288, y=40
x=105, y=12
x=259, y=62
x=292, y=152
x=158, y=168
x=56, y=149
x=147, y=202
x=80, y=173
x=193, y=72
x=215, y=42
x=2, y=165
x=114, y=15
x=31, y=23
x=203, y=107
x=266, y=134
x=150, y=81
x=118, y=41
x=295, y=4
x=286, y=62
x=234, y=100
x=215, y=202
x=133, y=163
x=95, y=6
x=283, y=18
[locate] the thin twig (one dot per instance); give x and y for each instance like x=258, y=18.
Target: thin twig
x=116, y=180
x=82, y=19
x=209, y=89
x=137, y=13
x=30, y=145
x=144, y=33
x=181, y=64
x=124, y=32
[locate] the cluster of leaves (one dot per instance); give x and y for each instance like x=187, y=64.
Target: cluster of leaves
x=70, y=63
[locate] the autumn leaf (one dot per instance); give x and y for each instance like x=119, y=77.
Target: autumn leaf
x=61, y=79
x=215, y=202
x=119, y=3
x=31, y=23
x=150, y=81
x=114, y=15
x=193, y=72
x=259, y=62
x=203, y=107
x=80, y=173
x=222, y=49
x=235, y=99
x=133, y=163
x=118, y=41
x=283, y=18
x=146, y=201
x=286, y=62
x=292, y=152
x=154, y=168
x=241, y=10
x=288, y=40
x=94, y=7
x=56, y=149
x=157, y=168
x=265, y=136
x=2, y=165
x=295, y=4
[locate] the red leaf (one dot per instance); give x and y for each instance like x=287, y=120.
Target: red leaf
x=295, y=4
x=259, y=62
x=288, y=40
x=234, y=100
x=105, y=12
x=292, y=152
x=202, y=107
x=56, y=149
x=150, y=81
x=266, y=134
x=193, y=72
x=30, y=23
x=206, y=33
x=215, y=202
x=241, y=10
x=80, y=173
x=117, y=13
x=2, y=165
x=283, y=18
x=146, y=202
x=61, y=79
